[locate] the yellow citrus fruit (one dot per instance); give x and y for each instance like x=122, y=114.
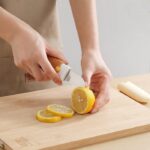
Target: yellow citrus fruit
x=45, y=116
x=58, y=68
x=82, y=100
x=60, y=110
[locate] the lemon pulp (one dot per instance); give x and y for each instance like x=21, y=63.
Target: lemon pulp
x=82, y=100
x=45, y=116
x=60, y=110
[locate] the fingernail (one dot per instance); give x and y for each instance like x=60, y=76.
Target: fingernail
x=59, y=82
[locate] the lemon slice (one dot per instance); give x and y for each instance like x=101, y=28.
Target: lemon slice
x=60, y=110
x=45, y=116
x=82, y=100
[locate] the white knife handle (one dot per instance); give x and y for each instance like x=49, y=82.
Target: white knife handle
x=134, y=92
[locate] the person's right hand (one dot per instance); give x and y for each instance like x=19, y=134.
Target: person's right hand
x=30, y=52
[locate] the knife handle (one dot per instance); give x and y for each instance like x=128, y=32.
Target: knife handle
x=55, y=62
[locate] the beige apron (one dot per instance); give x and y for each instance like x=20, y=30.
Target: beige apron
x=42, y=16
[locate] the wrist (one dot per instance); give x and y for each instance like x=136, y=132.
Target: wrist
x=91, y=51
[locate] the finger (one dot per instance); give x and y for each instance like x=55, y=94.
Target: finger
x=87, y=77
x=29, y=70
x=29, y=74
x=55, y=53
x=99, y=84
x=100, y=102
x=45, y=77
x=29, y=77
x=36, y=72
x=95, y=87
x=23, y=67
x=49, y=71
x=102, y=96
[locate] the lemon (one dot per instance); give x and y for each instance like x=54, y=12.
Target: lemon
x=45, y=116
x=82, y=100
x=60, y=110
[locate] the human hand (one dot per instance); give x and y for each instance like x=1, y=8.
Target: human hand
x=97, y=76
x=30, y=53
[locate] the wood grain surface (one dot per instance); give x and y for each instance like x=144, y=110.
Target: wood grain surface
x=19, y=130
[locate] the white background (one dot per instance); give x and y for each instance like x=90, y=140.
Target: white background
x=124, y=35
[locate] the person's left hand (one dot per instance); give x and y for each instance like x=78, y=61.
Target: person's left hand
x=97, y=76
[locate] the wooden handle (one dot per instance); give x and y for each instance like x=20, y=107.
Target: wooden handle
x=56, y=62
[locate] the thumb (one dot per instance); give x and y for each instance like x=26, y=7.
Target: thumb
x=87, y=77
x=55, y=53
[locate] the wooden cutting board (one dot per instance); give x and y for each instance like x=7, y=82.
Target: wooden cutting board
x=19, y=130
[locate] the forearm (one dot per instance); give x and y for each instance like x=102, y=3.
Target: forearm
x=9, y=25
x=84, y=12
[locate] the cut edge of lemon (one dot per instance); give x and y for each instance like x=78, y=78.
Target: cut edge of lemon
x=53, y=109
x=90, y=98
x=47, y=119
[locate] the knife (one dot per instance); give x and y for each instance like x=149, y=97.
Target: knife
x=63, y=70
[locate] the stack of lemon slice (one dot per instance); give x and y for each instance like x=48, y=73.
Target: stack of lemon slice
x=82, y=102
x=45, y=116
x=54, y=113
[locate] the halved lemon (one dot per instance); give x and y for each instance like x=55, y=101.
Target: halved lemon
x=45, y=116
x=82, y=100
x=60, y=110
